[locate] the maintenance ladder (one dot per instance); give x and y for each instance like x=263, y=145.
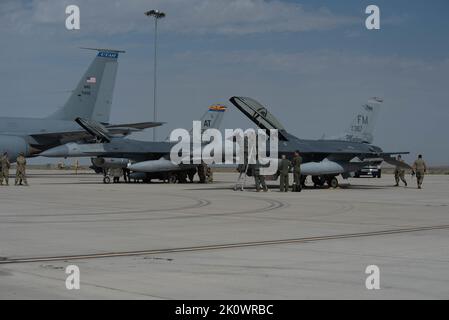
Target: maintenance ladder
x=241, y=181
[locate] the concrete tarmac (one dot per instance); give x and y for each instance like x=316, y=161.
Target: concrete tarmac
x=209, y=242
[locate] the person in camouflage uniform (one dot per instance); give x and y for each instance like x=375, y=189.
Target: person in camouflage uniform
x=420, y=169
x=259, y=179
x=284, y=169
x=116, y=174
x=399, y=173
x=209, y=175
x=21, y=170
x=296, y=164
x=5, y=165
x=202, y=172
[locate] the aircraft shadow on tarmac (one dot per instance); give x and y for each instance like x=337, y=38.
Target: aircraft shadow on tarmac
x=276, y=188
x=345, y=186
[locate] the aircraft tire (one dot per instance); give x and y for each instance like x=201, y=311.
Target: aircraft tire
x=172, y=179
x=318, y=181
x=333, y=183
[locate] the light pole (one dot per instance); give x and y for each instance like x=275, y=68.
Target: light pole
x=156, y=14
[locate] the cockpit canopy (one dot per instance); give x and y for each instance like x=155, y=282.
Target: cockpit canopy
x=258, y=114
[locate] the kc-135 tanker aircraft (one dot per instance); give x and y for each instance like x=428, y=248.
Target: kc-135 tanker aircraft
x=91, y=99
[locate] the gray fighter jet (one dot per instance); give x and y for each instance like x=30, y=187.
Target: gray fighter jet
x=324, y=160
x=149, y=160
x=91, y=99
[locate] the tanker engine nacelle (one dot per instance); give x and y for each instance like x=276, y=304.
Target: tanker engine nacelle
x=13, y=145
x=110, y=162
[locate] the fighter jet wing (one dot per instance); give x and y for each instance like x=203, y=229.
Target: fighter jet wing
x=387, y=157
x=133, y=126
x=79, y=135
x=395, y=162
x=104, y=133
x=394, y=153
x=60, y=137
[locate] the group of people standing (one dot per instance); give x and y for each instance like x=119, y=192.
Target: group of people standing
x=20, y=170
x=285, y=166
x=419, y=169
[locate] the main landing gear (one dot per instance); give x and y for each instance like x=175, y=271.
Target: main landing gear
x=320, y=181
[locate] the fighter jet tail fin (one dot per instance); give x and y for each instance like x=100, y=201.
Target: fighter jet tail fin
x=92, y=97
x=213, y=117
x=363, y=125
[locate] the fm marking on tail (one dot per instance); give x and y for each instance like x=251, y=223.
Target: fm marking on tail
x=362, y=119
x=363, y=126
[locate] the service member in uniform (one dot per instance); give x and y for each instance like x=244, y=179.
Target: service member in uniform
x=116, y=174
x=76, y=166
x=284, y=169
x=5, y=165
x=296, y=163
x=420, y=169
x=126, y=175
x=209, y=175
x=399, y=173
x=259, y=179
x=191, y=175
x=201, y=172
x=21, y=170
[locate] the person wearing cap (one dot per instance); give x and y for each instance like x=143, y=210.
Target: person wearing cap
x=399, y=172
x=284, y=168
x=21, y=170
x=420, y=169
x=296, y=164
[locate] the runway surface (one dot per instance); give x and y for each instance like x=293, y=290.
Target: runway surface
x=160, y=241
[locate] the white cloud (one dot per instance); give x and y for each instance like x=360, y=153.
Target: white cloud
x=318, y=63
x=226, y=17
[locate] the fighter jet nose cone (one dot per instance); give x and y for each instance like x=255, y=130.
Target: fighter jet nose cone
x=57, y=152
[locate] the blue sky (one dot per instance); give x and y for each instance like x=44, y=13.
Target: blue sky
x=312, y=62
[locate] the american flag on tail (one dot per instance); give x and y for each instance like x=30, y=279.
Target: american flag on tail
x=91, y=80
